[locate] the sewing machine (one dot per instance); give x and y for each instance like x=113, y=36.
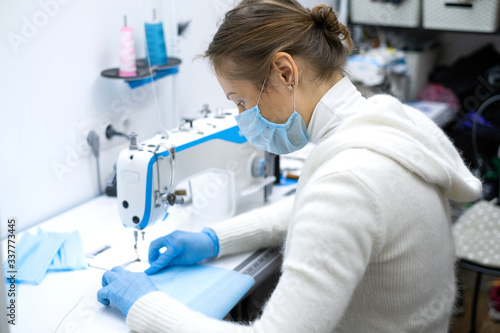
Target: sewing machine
x=161, y=172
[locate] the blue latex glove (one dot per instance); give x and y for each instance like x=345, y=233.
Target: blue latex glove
x=182, y=248
x=124, y=288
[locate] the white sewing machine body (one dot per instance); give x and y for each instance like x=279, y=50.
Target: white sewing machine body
x=148, y=177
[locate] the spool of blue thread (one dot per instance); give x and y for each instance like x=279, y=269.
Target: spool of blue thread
x=156, y=51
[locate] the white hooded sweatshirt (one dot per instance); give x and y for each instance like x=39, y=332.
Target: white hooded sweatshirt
x=367, y=239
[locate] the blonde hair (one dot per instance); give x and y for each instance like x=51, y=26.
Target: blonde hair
x=255, y=30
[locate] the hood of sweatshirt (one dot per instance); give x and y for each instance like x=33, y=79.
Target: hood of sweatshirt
x=343, y=119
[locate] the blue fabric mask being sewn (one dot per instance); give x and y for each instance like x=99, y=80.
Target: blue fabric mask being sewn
x=274, y=138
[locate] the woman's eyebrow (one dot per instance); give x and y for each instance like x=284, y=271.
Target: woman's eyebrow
x=229, y=94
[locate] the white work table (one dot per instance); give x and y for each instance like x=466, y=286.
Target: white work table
x=71, y=295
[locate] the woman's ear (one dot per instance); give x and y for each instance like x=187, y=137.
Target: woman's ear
x=285, y=68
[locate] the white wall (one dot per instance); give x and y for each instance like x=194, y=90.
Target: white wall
x=52, y=53
x=197, y=84
x=51, y=56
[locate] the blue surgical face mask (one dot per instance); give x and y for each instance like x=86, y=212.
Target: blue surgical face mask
x=274, y=138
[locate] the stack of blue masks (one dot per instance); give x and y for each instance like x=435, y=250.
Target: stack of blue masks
x=36, y=254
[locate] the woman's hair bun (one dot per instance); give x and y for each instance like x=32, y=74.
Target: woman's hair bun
x=325, y=17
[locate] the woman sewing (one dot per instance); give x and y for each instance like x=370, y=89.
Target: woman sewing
x=366, y=241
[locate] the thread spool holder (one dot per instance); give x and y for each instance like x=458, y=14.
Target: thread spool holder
x=145, y=73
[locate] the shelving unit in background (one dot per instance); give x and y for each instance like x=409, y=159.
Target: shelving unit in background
x=449, y=15
x=145, y=73
x=434, y=19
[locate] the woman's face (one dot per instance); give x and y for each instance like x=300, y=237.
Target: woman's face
x=276, y=102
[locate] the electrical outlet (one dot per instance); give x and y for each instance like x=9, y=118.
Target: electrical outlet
x=99, y=125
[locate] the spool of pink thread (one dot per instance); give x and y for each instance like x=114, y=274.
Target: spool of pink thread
x=127, y=52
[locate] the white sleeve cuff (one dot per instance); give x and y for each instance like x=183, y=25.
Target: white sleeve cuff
x=156, y=312
x=260, y=228
x=240, y=234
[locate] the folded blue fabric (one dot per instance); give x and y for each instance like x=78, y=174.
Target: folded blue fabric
x=37, y=253
x=212, y=291
x=70, y=256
